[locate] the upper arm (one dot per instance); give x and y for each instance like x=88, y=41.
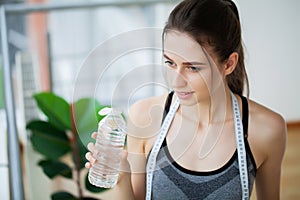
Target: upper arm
x=143, y=118
x=273, y=141
x=137, y=163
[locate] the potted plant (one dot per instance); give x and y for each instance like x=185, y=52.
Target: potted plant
x=66, y=130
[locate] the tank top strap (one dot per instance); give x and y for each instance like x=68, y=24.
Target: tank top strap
x=167, y=105
x=245, y=113
x=158, y=142
x=241, y=150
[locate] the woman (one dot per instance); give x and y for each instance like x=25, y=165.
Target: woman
x=214, y=142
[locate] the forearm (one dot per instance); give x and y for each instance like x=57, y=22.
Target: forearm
x=123, y=190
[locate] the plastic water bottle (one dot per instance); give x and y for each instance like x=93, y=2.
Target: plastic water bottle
x=108, y=148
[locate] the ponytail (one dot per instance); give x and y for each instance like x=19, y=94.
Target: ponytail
x=238, y=80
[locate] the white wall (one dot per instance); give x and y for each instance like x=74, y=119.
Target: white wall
x=271, y=31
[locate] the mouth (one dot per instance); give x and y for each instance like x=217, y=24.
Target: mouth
x=184, y=95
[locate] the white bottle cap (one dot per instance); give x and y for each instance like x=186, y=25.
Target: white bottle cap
x=104, y=111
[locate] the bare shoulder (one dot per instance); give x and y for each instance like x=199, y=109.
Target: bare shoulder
x=266, y=119
x=267, y=130
x=143, y=111
x=145, y=117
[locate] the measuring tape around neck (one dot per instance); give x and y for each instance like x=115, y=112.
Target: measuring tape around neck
x=242, y=158
x=160, y=138
x=239, y=141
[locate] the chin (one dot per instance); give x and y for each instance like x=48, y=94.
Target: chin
x=188, y=102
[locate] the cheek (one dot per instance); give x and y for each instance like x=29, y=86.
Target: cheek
x=200, y=81
x=169, y=74
x=218, y=79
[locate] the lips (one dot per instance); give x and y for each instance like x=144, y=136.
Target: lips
x=184, y=95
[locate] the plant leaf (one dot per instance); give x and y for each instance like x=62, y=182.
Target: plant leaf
x=55, y=108
x=48, y=140
x=82, y=150
x=93, y=188
x=63, y=196
x=54, y=168
x=84, y=112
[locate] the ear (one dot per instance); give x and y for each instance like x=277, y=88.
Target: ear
x=231, y=63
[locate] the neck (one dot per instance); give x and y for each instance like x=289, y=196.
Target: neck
x=217, y=109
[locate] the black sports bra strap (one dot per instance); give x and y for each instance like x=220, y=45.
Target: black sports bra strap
x=245, y=115
x=167, y=105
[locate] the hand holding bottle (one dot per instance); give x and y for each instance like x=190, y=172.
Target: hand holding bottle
x=105, y=161
x=123, y=188
x=125, y=167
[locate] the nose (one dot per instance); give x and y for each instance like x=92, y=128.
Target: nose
x=177, y=79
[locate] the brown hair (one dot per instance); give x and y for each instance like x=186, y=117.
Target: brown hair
x=215, y=23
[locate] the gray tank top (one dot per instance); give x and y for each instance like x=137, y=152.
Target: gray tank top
x=172, y=181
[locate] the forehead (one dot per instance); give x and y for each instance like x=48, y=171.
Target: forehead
x=183, y=46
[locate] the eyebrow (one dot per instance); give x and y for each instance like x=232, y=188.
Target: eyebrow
x=187, y=63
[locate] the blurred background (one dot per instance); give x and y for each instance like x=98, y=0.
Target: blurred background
x=46, y=44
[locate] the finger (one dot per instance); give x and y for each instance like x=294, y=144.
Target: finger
x=90, y=158
x=91, y=146
x=94, y=135
x=88, y=165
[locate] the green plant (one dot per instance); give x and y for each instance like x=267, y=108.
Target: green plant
x=66, y=130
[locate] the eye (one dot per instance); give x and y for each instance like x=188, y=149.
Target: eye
x=169, y=63
x=193, y=68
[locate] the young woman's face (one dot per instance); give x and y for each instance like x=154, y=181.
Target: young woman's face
x=191, y=73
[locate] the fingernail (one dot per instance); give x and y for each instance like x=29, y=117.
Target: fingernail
x=87, y=165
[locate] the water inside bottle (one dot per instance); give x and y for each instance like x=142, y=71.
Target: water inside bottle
x=109, y=144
